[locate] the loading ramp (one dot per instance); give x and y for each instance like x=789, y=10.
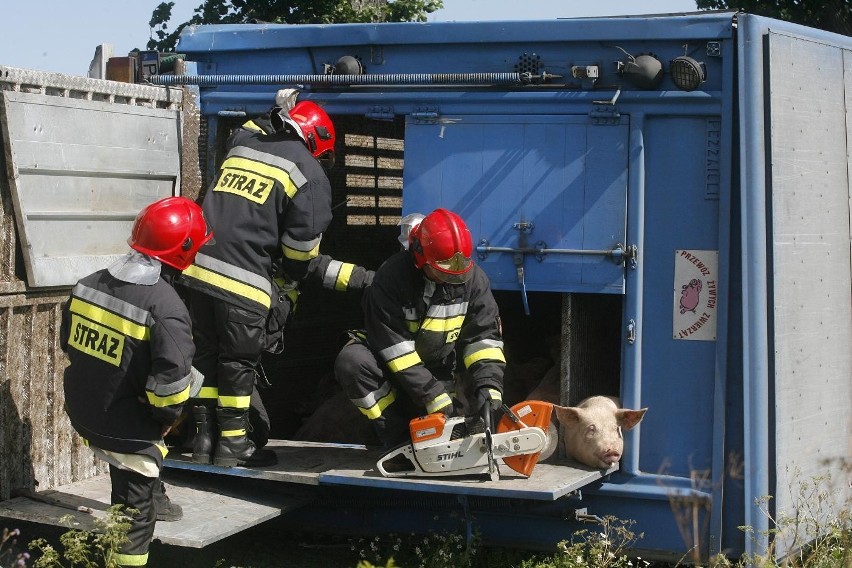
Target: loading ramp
x=219, y=502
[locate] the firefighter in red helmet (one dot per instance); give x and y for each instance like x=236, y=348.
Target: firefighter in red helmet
x=128, y=338
x=429, y=314
x=307, y=120
x=270, y=203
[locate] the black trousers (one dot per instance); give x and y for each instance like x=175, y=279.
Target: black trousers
x=258, y=420
x=228, y=345
x=369, y=386
x=134, y=490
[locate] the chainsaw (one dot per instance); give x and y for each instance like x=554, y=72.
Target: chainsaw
x=442, y=446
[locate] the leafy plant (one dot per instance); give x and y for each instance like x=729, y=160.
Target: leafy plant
x=437, y=550
x=89, y=549
x=603, y=548
x=816, y=531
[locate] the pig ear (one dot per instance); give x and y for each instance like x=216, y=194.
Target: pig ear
x=567, y=415
x=627, y=419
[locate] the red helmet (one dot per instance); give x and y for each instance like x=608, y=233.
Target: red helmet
x=317, y=128
x=170, y=230
x=443, y=243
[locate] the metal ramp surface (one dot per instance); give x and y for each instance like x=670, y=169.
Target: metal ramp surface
x=315, y=463
x=213, y=508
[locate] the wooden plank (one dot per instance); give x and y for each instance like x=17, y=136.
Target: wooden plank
x=211, y=512
x=316, y=463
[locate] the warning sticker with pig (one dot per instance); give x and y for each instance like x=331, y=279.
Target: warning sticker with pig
x=695, y=294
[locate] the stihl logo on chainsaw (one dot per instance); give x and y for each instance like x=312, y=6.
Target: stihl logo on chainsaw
x=445, y=457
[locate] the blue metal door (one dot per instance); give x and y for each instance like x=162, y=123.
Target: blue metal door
x=543, y=193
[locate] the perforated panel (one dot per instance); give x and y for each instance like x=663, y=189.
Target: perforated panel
x=810, y=243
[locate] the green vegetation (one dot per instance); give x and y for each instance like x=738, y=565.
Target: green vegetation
x=286, y=12
x=830, y=15
x=605, y=547
x=87, y=549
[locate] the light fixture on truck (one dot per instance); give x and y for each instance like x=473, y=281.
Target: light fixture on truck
x=348, y=65
x=687, y=73
x=644, y=71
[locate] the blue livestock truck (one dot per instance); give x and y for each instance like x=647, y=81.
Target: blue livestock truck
x=666, y=199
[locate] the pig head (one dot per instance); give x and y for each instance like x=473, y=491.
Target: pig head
x=592, y=430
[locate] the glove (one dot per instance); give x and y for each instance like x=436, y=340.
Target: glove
x=488, y=399
x=447, y=410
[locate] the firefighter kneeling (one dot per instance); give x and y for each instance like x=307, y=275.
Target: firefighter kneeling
x=428, y=308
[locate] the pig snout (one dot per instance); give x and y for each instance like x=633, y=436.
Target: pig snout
x=610, y=457
x=603, y=444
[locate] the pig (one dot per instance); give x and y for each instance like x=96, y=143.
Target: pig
x=591, y=431
x=690, y=296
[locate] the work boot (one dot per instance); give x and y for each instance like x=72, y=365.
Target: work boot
x=233, y=447
x=262, y=457
x=205, y=426
x=166, y=510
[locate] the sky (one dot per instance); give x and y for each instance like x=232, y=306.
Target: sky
x=61, y=35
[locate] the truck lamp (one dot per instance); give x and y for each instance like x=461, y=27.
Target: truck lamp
x=687, y=73
x=348, y=65
x=644, y=71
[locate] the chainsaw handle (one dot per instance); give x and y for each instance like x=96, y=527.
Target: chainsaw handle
x=512, y=416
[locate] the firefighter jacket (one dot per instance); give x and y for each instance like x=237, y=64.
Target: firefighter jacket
x=420, y=329
x=337, y=275
x=269, y=204
x=261, y=124
x=323, y=271
x=126, y=343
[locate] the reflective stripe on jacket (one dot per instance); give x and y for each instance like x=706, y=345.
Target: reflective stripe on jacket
x=420, y=329
x=269, y=204
x=125, y=342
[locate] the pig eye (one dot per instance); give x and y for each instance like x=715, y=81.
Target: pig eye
x=591, y=431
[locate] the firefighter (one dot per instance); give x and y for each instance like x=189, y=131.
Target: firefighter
x=270, y=203
x=128, y=338
x=428, y=309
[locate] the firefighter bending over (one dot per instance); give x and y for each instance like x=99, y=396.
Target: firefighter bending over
x=270, y=203
x=128, y=338
x=428, y=308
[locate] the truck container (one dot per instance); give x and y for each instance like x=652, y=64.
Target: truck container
x=668, y=196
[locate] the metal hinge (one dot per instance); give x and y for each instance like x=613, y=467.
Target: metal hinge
x=605, y=113
x=425, y=115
